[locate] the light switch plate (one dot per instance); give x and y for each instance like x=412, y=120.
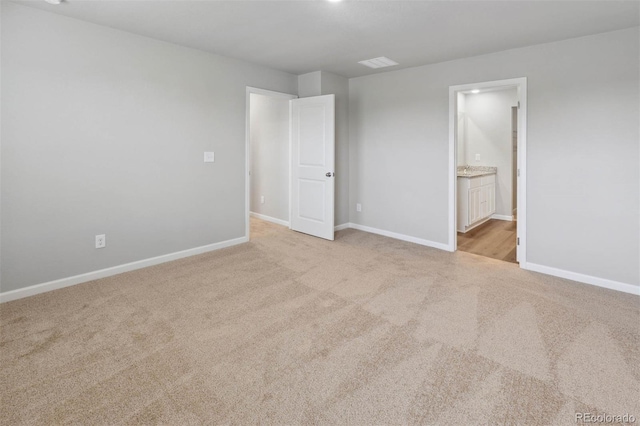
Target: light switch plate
x=209, y=157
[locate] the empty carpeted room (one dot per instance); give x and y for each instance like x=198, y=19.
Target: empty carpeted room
x=248, y=212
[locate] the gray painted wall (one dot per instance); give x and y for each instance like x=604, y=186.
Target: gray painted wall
x=583, y=132
x=310, y=84
x=339, y=86
x=269, y=135
x=104, y=132
x=488, y=133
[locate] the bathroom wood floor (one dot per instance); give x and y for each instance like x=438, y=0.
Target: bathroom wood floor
x=495, y=239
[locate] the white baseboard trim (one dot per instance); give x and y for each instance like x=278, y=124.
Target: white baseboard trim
x=269, y=219
x=502, y=217
x=115, y=270
x=475, y=225
x=428, y=243
x=341, y=227
x=582, y=278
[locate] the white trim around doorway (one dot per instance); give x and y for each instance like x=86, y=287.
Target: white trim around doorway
x=521, y=85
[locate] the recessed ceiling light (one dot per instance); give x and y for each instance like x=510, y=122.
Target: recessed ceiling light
x=53, y=1
x=475, y=91
x=380, y=62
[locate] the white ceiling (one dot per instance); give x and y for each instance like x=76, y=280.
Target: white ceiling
x=304, y=36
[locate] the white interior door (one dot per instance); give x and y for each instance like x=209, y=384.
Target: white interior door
x=313, y=165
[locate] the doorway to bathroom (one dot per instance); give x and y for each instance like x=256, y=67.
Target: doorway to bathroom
x=487, y=159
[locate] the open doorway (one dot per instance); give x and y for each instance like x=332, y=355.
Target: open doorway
x=487, y=139
x=290, y=162
x=268, y=158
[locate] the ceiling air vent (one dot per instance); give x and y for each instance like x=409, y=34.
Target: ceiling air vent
x=380, y=62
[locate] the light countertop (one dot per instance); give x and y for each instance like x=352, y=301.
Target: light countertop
x=475, y=171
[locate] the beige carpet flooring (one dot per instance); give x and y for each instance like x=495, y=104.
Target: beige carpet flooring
x=291, y=329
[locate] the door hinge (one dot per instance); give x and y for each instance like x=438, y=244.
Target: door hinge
x=518, y=104
x=518, y=241
x=518, y=172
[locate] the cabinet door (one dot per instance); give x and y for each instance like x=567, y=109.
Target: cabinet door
x=491, y=199
x=483, y=202
x=474, y=204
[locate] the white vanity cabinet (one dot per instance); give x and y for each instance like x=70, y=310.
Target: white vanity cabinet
x=476, y=200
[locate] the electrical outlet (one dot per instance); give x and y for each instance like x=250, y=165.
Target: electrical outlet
x=477, y=157
x=262, y=199
x=101, y=241
x=209, y=157
x=358, y=207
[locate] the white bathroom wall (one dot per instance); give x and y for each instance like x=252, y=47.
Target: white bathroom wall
x=488, y=135
x=269, y=142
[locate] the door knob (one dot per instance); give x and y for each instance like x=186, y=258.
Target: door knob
x=329, y=174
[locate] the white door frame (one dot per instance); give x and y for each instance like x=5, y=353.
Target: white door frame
x=247, y=148
x=521, y=85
